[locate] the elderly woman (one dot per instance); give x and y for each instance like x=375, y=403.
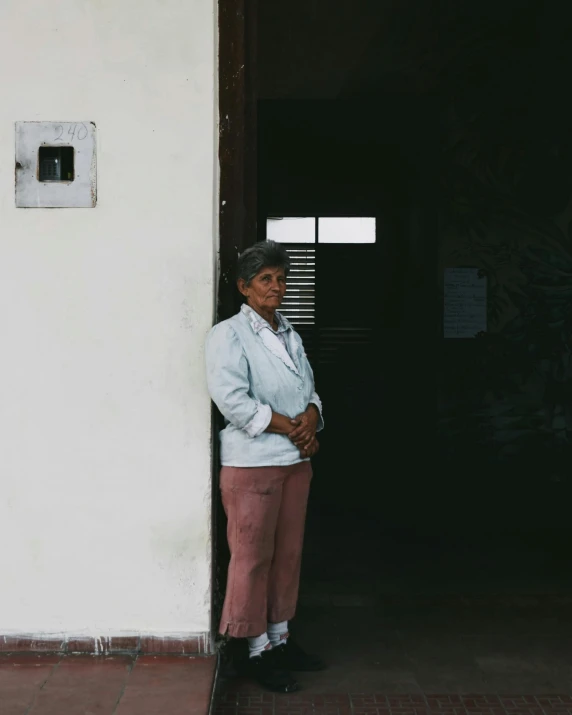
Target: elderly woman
x=261, y=381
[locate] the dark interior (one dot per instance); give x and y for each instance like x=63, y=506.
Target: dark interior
x=344, y=159
x=441, y=497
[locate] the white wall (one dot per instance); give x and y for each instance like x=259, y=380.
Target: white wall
x=104, y=415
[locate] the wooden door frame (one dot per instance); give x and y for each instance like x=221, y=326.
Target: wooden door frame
x=237, y=207
x=237, y=141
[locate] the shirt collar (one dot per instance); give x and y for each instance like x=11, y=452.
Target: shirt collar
x=258, y=323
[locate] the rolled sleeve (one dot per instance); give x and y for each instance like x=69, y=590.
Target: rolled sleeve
x=260, y=421
x=228, y=384
x=315, y=400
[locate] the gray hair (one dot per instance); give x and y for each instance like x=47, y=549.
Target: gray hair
x=265, y=254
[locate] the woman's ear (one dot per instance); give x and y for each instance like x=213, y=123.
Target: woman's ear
x=242, y=287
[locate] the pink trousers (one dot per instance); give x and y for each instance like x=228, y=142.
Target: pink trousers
x=266, y=511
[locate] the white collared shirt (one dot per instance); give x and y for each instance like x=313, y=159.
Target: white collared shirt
x=269, y=335
x=252, y=371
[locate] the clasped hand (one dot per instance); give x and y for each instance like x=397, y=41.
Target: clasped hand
x=303, y=433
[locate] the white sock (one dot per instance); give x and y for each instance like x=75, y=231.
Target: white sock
x=278, y=633
x=258, y=645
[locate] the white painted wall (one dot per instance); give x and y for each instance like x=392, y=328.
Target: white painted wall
x=104, y=414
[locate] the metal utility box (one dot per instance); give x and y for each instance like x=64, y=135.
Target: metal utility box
x=56, y=165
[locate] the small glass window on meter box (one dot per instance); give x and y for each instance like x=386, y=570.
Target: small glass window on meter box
x=56, y=163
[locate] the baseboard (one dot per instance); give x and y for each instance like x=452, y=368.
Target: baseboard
x=193, y=644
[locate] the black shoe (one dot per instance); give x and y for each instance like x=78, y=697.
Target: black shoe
x=270, y=674
x=291, y=657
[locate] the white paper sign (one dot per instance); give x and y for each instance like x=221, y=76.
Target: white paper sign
x=465, y=304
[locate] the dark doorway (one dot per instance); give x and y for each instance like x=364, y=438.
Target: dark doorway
x=338, y=185
x=438, y=539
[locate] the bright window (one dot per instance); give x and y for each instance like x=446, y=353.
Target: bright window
x=291, y=230
x=340, y=230
x=346, y=230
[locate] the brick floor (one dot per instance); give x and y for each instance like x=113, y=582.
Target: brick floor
x=446, y=656
x=422, y=622
x=46, y=684
x=247, y=700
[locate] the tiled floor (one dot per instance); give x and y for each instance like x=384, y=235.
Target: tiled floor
x=438, y=656
x=115, y=685
x=252, y=703
x=425, y=656
x=428, y=624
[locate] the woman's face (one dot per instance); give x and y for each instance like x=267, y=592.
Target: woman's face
x=266, y=290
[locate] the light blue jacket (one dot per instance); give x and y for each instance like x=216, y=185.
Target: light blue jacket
x=249, y=376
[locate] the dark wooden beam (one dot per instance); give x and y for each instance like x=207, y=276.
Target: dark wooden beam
x=237, y=141
x=251, y=124
x=232, y=97
x=237, y=209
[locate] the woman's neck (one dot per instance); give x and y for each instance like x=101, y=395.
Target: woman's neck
x=268, y=315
